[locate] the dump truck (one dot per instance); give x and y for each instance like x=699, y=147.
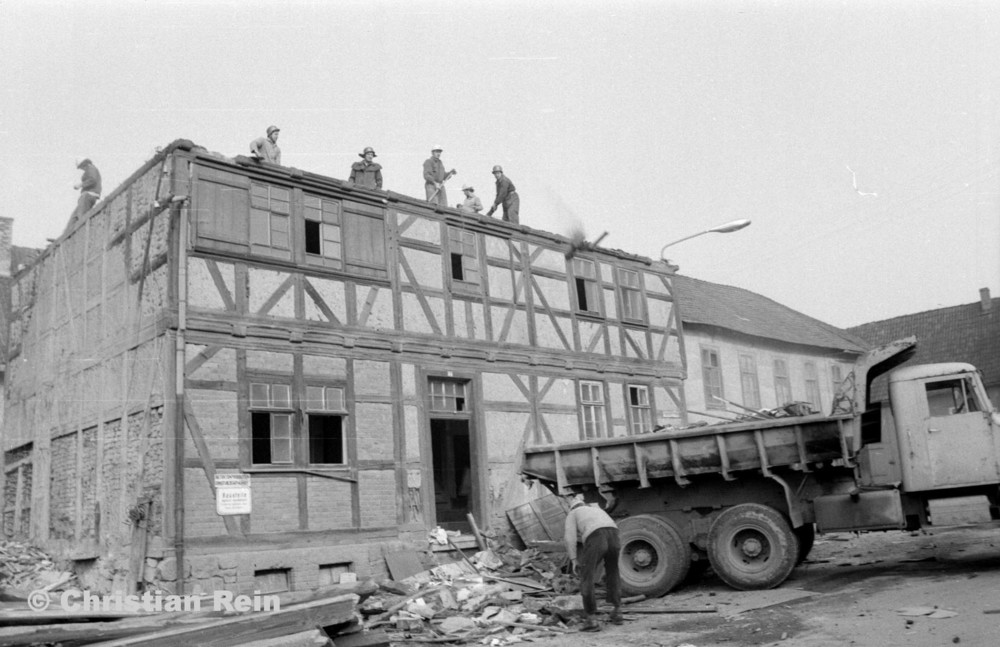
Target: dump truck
x=749, y=497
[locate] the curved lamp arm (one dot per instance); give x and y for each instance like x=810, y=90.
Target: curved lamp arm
x=728, y=227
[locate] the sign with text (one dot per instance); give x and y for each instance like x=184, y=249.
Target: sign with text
x=232, y=494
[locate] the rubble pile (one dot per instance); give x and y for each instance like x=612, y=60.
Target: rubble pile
x=25, y=568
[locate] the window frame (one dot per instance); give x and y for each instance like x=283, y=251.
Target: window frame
x=751, y=373
x=707, y=374
x=329, y=220
x=467, y=240
x=644, y=412
x=782, y=382
x=637, y=290
x=277, y=210
x=592, y=287
x=810, y=377
x=596, y=408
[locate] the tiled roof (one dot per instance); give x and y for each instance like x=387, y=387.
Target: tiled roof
x=965, y=333
x=746, y=312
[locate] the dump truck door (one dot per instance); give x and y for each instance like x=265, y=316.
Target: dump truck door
x=948, y=435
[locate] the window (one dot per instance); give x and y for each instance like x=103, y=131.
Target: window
x=639, y=412
x=325, y=410
x=464, y=261
x=631, y=295
x=836, y=377
x=322, y=232
x=587, y=288
x=269, y=221
x=448, y=395
x=782, y=385
x=812, y=386
x=748, y=380
x=275, y=437
x=951, y=397
x=711, y=373
x=271, y=423
x=592, y=409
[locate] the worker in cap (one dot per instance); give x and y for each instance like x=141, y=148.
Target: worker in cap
x=435, y=177
x=472, y=203
x=506, y=196
x=367, y=173
x=597, y=531
x=89, y=187
x=266, y=148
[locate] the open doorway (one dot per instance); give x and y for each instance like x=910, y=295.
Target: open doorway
x=452, y=444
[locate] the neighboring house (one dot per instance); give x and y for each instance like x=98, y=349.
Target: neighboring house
x=755, y=352
x=372, y=365
x=966, y=333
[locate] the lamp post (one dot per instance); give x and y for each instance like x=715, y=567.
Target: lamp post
x=735, y=225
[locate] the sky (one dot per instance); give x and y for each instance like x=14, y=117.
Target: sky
x=862, y=139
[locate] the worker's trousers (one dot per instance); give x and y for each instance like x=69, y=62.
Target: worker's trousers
x=602, y=544
x=511, y=207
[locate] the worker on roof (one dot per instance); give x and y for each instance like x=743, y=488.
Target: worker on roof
x=266, y=149
x=506, y=196
x=367, y=173
x=597, y=531
x=89, y=186
x=472, y=203
x=435, y=177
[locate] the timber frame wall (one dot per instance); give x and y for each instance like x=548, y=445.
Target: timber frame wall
x=207, y=294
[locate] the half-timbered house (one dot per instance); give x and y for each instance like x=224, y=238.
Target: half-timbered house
x=370, y=364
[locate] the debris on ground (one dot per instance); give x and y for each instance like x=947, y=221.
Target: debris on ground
x=25, y=568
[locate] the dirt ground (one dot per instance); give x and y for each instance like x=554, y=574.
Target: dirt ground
x=876, y=589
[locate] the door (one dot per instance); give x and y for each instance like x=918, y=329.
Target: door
x=451, y=444
x=960, y=449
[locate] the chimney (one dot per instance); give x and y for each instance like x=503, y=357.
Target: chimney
x=984, y=299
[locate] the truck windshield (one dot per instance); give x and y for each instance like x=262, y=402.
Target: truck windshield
x=951, y=397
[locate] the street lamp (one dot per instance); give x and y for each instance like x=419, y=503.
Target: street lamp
x=735, y=225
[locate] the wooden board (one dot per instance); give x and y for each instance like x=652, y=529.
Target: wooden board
x=403, y=564
x=539, y=520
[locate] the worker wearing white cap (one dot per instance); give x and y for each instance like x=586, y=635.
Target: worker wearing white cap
x=472, y=203
x=435, y=177
x=266, y=148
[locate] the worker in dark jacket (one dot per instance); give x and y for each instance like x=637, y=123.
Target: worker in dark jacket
x=89, y=186
x=506, y=196
x=435, y=177
x=598, y=533
x=266, y=149
x=367, y=173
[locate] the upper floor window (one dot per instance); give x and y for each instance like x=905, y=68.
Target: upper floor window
x=322, y=232
x=639, y=410
x=271, y=415
x=782, y=384
x=464, y=259
x=812, y=386
x=631, y=295
x=836, y=377
x=711, y=372
x=325, y=412
x=592, y=409
x=270, y=218
x=748, y=380
x=587, y=285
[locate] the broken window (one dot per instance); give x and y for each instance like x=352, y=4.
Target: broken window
x=812, y=386
x=447, y=395
x=279, y=438
x=464, y=260
x=631, y=295
x=711, y=373
x=322, y=234
x=587, y=285
x=270, y=216
x=748, y=380
x=592, y=409
x=782, y=385
x=639, y=410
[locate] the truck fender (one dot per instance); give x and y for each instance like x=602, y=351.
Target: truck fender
x=795, y=514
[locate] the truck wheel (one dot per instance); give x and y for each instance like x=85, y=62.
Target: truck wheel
x=807, y=537
x=654, y=557
x=752, y=546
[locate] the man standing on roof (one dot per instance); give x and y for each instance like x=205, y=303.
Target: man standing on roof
x=599, y=535
x=89, y=186
x=434, y=178
x=266, y=148
x=506, y=195
x=472, y=203
x=367, y=173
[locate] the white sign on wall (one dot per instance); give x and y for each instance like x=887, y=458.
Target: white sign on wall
x=232, y=494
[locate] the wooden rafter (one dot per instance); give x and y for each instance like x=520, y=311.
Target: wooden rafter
x=279, y=293
x=220, y=285
x=319, y=301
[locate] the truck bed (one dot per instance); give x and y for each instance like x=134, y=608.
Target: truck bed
x=725, y=449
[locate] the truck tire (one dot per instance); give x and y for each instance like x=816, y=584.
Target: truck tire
x=654, y=559
x=807, y=537
x=752, y=546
